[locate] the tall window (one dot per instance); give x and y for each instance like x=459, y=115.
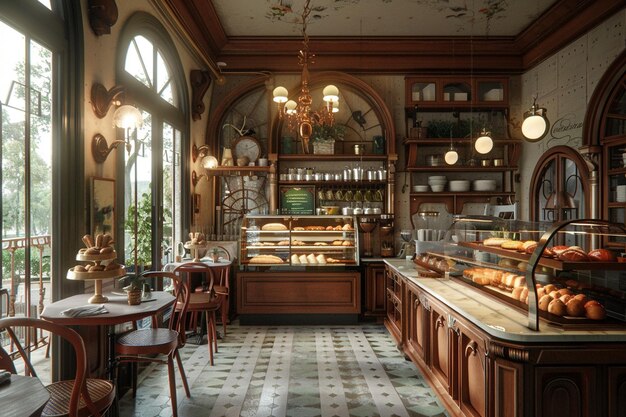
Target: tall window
x=33, y=91
x=152, y=172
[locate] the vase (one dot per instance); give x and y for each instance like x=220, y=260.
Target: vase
x=227, y=158
x=134, y=296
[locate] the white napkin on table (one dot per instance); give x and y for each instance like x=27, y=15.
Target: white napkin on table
x=88, y=310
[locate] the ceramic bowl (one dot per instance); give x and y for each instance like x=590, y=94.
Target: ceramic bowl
x=459, y=185
x=484, y=185
x=437, y=188
x=421, y=188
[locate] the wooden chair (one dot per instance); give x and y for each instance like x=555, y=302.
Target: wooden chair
x=222, y=286
x=207, y=301
x=137, y=345
x=79, y=397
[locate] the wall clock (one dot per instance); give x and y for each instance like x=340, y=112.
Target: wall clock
x=248, y=147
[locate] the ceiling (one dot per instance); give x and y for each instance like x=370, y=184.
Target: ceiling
x=387, y=36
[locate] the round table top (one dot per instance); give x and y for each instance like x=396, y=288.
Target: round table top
x=118, y=309
x=12, y=397
x=209, y=262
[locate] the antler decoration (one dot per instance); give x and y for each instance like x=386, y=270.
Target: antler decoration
x=239, y=130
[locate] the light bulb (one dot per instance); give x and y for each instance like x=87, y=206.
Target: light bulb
x=451, y=157
x=335, y=107
x=127, y=116
x=331, y=93
x=534, y=127
x=290, y=107
x=484, y=144
x=209, y=162
x=280, y=94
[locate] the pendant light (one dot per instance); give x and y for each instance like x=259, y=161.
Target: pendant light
x=452, y=156
x=535, y=125
x=484, y=143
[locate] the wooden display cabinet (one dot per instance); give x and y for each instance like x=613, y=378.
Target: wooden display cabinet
x=436, y=92
x=375, y=290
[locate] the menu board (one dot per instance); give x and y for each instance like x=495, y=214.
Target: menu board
x=297, y=199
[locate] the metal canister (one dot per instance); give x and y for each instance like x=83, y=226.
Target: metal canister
x=382, y=174
x=347, y=174
x=371, y=175
x=358, y=149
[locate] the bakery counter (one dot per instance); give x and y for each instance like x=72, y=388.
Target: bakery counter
x=495, y=318
x=482, y=359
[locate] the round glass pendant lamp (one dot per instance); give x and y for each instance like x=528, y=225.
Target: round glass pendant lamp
x=127, y=117
x=209, y=162
x=451, y=157
x=535, y=125
x=484, y=143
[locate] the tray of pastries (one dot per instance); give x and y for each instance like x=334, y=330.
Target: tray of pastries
x=99, y=248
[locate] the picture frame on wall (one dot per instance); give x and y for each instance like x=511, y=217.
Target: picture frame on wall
x=102, y=208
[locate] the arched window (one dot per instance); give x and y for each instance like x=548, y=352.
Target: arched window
x=150, y=69
x=40, y=79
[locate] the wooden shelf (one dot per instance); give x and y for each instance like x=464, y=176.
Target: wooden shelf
x=345, y=184
x=446, y=141
x=461, y=194
x=462, y=168
x=335, y=157
x=248, y=170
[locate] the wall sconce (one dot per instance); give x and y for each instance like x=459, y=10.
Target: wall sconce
x=200, y=152
x=195, y=178
x=102, y=99
x=126, y=117
x=535, y=125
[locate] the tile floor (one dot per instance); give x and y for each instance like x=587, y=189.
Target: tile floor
x=291, y=371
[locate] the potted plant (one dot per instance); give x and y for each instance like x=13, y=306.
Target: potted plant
x=214, y=254
x=324, y=137
x=133, y=286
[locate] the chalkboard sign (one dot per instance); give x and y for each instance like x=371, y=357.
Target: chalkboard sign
x=297, y=199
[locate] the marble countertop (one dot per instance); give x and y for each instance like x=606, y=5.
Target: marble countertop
x=495, y=318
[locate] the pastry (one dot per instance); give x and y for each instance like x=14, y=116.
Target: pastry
x=602, y=255
x=512, y=244
x=330, y=228
x=494, y=241
x=99, y=240
x=517, y=293
x=294, y=259
x=347, y=226
x=96, y=268
x=298, y=228
x=595, y=311
x=557, y=250
x=321, y=259
x=274, y=226
x=337, y=242
x=482, y=280
x=92, y=251
x=266, y=259
x=337, y=228
x=557, y=307
x=88, y=241
x=303, y=259
x=112, y=266
x=575, y=307
x=320, y=244
x=519, y=281
x=311, y=258
x=544, y=302
x=346, y=243
x=529, y=246
x=283, y=243
x=106, y=249
x=80, y=268
x=298, y=243
x=318, y=228
x=573, y=255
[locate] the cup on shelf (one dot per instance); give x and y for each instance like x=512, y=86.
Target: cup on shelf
x=262, y=162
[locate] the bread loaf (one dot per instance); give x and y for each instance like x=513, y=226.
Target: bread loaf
x=294, y=259
x=266, y=259
x=529, y=246
x=512, y=244
x=495, y=241
x=601, y=255
x=573, y=255
x=274, y=226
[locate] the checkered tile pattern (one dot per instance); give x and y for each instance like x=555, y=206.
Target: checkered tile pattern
x=292, y=371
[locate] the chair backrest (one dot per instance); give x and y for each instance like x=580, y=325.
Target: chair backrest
x=4, y=293
x=79, y=388
x=181, y=293
x=222, y=250
x=505, y=211
x=189, y=268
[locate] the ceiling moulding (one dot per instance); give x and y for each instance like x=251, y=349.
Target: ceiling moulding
x=563, y=23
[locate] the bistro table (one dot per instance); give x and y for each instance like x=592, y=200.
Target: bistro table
x=12, y=395
x=118, y=312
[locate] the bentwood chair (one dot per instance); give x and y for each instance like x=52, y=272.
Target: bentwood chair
x=222, y=277
x=207, y=301
x=80, y=397
x=142, y=345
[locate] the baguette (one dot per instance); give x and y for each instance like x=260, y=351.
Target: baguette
x=266, y=259
x=495, y=241
x=274, y=226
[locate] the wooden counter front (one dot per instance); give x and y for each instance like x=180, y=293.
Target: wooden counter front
x=296, y=292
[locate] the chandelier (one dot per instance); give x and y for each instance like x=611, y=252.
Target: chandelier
x=300, y=117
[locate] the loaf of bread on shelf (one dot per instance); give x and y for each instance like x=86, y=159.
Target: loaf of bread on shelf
x=347, y=226
x=320, y=244
x=573, y=254
x=283, y=243
x=298, y=229
x=495, y=241
x=311, y=258
x=317, y=228
x=274, y=226
x=303, y=259
x=602, y=255
x=337, y=242
x=321, y=259
x=266, y=259
x=529, y=246
x=512, y=244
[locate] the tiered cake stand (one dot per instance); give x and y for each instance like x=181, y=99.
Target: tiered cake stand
x=194, y=248
x=96, y=276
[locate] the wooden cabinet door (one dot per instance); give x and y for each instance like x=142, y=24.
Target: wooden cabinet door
x=440, y=346
x=566, y=392
x=417, y=324
x=617, y=391
x=375, y=290
x=506, y=389
x=472, y=373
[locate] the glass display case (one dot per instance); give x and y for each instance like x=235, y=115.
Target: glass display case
x=302, y=241
x=562, y=273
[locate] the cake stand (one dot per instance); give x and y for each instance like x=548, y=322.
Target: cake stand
x=96, y=276
x=194, y=248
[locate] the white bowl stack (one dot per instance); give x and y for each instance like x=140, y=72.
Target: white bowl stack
x=421, y=188
x=484, y=185
x=459, y=185
x=437, y=182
